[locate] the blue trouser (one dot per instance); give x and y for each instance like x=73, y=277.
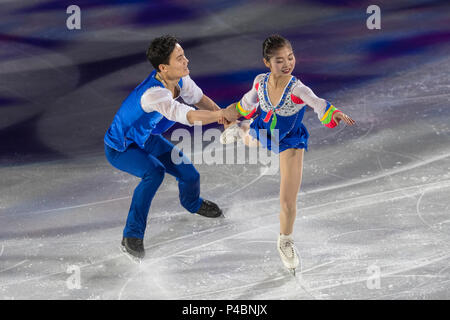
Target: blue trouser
x=150, y=164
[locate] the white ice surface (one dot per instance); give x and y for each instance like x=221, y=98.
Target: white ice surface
x=373, y=197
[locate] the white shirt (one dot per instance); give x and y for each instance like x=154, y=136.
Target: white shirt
x=250, y=100
x=160, y=99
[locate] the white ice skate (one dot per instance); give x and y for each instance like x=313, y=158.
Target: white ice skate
x=230, y=134
x=234, y=132
x=288, y=252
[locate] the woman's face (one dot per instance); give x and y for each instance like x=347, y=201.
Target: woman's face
x=282, y=62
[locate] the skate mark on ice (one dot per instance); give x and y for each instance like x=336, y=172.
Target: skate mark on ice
x=31, y=279
x=116, y=256
x=409, y=156
x=210, y=230
x=156, y=260
x=154, y=279
x=71, y=207
x=123, y=287
x=107, y=258
x=82, y=205
x=112, y=257
x=320, y=266
x=439, y=184
x=443, y=269
x=246, y=185
x=14, y=266
x=379, y=196
x=391, y=181
x=410, y=267
x=177, y=253
x=405, y=99
x=419, y=214
x=395, y=185
x=251, y=285
x=342, y=185
x=361, y=230
x=381, y=175
x=363, y=269
x=245, y=286
x=410, y=290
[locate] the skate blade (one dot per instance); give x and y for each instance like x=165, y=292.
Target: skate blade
x=129, y=256
x=292, y=270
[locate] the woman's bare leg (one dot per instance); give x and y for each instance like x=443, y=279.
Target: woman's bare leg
x=291, y=169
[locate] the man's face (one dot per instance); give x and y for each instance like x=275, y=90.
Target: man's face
x=178, y=64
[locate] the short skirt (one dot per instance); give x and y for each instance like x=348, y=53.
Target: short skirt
x=292, y=136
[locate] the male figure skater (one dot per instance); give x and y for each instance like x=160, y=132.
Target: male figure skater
x=134, y=144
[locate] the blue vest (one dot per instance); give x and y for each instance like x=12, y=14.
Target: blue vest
x=132, y=124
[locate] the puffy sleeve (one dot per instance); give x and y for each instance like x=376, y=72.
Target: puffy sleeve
x=248, y=104
x=190, y=92
x=324, y=109
x=160, y=100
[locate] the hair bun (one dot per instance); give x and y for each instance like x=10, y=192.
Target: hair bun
x=272, y=44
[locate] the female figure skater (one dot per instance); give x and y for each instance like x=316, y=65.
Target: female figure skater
x=282, y=99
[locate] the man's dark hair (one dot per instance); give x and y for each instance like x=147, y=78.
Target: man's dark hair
x=272, y=44
x=160, y=49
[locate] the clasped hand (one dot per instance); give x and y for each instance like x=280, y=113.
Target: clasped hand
x=228, y=115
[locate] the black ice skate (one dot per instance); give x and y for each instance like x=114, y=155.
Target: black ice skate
x=209, y=209
x=134, y=247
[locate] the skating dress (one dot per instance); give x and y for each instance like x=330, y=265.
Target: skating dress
x=280, y=127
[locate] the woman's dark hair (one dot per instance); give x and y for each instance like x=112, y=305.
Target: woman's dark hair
x=272, y=44
x=160, y=49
